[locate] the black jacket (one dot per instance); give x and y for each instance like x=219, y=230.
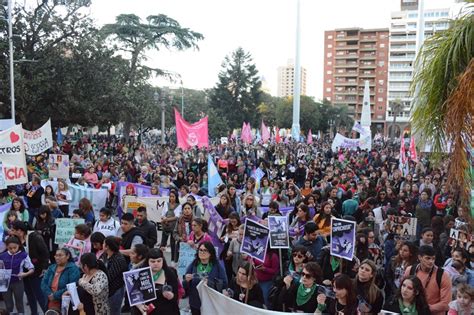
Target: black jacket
x=395, y=308
x=38, y=252
x=149, y=231
x=127, y=237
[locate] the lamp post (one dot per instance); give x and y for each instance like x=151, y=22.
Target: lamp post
x=10, y=46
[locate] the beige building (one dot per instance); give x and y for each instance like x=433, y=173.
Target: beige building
x=286, y=78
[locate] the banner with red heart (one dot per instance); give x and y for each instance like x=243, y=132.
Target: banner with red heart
x=12, y=156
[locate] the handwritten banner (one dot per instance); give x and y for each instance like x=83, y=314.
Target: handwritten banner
x=39, y=140
x=12, y=156
x=65, y=229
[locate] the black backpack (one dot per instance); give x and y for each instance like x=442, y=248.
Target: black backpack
x=439, y=273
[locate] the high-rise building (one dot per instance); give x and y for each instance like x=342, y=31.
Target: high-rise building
x=286, y=78
x=403, y=37
x=352, y=56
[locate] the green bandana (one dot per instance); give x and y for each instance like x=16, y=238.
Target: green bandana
x=204, y=268
x=408, y=310
x=334, y=263
x=157, y=275
x=304, y=294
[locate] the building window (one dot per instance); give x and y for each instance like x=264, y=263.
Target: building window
x=329, y=63
x=329, y=72
x=380, y=90
x=382, y=46
x=380, y=82
x=329, y=98
x=329, y=36
x=380, y=99
x=380, y=108
x=329, y=81
x=328, y=89
x=329, y=46
x=329, y=55
x=381, y=63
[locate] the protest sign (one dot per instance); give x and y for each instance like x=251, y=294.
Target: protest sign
x=3, y=184
x=77, y=249
x=3, y=211
x=342, y=238
x=74, y=296
x=255, y=240
x=39, y=140
x=140, y=191
x=214, y=302
x=191, y=135
x=186, y=257
x=154, y=206
x=5, y=276
x=139, y=285
x=58, y=166
x=12, y=156
x=65, y=229
x=341, y=142
x=405, y=227
x=459, y=238
x=278, y=226
x=98, y=197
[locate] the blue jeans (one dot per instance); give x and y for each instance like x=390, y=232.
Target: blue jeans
x=266, y=286
x=34, y=294
x=115, y=302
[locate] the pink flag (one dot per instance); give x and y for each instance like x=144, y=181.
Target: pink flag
x=413, y=154
x=310, y=137
x=246, y=133
x=190, y=135
x=277, y=135
x=265, y=133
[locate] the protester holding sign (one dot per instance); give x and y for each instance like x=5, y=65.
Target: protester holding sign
x=169, y=220
x=18, y=261
x=344, y=300
x=206, y=265
x=166, y=286
x=64, y=197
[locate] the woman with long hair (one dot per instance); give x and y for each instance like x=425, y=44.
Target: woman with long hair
x=323, y=219
x=296, y=228
x=230, y=233
x=224, y=207
x=207, y=265
x=249, y=207
x=93, y=286
x=265, y=192
x=407, y=256
x=86, y=207
x=244, y=287
x=169, y=221
x=183, y=227
x=369, y=295
x=166, y=287
x=46, y=226
x=234, y=199
x=18, y=205
x=64, y=197
x=344, y=301
x=410, y=298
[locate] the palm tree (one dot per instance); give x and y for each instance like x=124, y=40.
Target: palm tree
x=443, y=107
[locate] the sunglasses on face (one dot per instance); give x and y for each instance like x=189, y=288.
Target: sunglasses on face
x=299, y=255
x=306, y=275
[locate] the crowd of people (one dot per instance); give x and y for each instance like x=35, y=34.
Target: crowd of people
x=426, y=273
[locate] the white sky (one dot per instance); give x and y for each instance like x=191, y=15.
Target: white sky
x=265, y=28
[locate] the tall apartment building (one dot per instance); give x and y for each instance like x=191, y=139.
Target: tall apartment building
x=403, y=36
x=352, y=56
x=286, y=77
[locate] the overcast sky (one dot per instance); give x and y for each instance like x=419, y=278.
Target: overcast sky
x=265, y=28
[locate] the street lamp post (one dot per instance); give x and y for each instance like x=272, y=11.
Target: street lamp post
x=10, y=44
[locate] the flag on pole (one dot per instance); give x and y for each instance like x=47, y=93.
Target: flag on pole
x=190, y=135
x=214, y=180
x=59, y=137
x=277, y=135
x=413, y=155
x=265, y=133
x=246, y=133
x=310, y=137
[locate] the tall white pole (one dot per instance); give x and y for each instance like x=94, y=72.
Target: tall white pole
x=295, y=128
x=182, y=99
x=10, y=44
x=420, y=37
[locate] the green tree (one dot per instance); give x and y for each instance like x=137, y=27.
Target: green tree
x=134, y=37
x=443, y=106
x=65, y=71
x=237, y=94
